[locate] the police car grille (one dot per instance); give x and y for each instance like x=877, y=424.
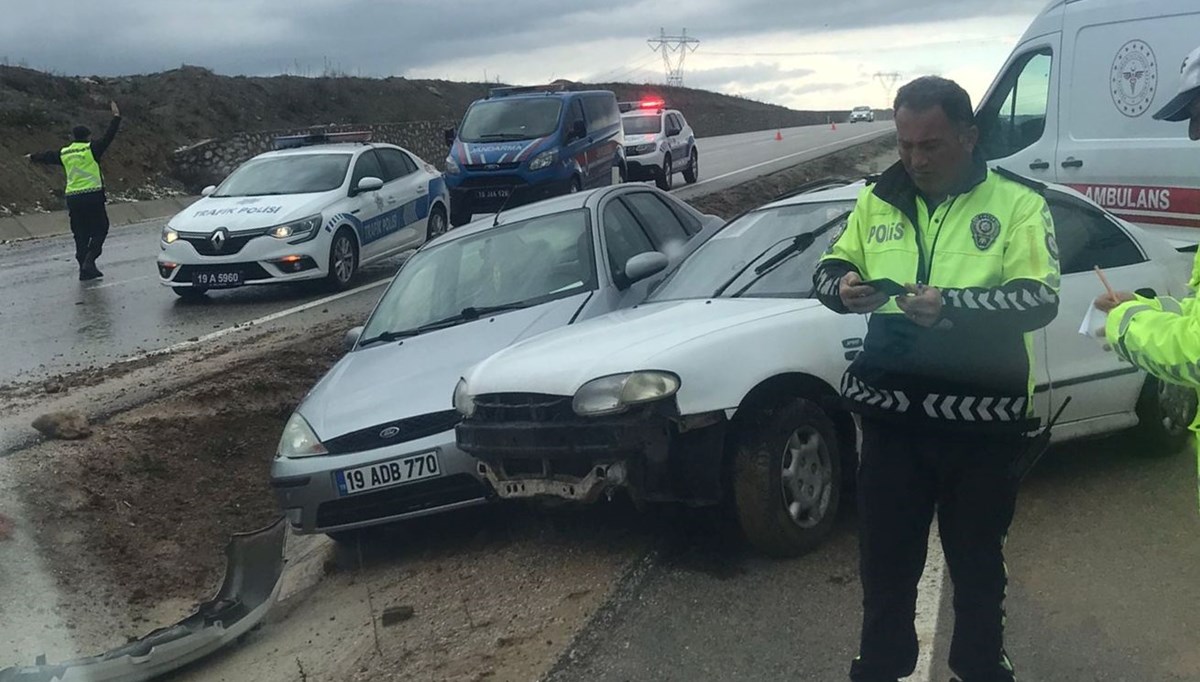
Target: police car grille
x=204, y=245
x=250, y=271
x=523, y=407
x=403, y=499
x=409, y=429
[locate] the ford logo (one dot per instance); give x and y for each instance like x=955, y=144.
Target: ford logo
x=390, y=432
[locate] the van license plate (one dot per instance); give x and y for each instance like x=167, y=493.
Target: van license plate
x=493, y=193
x=387, y=474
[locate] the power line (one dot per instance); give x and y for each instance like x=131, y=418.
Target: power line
x=675, y=50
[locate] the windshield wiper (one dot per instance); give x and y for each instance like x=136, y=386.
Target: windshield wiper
x=799, y=243
x=468, y=314
x=504, y=136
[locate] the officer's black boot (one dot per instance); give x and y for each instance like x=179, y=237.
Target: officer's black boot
x=89, y=268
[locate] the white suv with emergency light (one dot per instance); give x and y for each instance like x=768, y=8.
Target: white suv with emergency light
x=318, y=207
x=658, y=144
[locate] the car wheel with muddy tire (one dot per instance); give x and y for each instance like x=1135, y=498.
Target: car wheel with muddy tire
x=787, y=477
x=666, y=176
x=692, y=174
x=343, y=260
x=1165, y=413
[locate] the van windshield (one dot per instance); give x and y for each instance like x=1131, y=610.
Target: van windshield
x=511, y=119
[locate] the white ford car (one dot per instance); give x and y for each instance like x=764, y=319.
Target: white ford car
x=724, y=382
x=318, y=207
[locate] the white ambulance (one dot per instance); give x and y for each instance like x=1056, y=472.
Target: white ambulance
x=1074, y=105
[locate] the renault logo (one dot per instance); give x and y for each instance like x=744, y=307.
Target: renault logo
x=219, y=238
x=390, y=432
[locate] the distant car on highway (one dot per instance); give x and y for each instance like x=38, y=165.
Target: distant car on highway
x=659, y=143
x=318, y=207
x=724, y=384
x=373, y=442
x=862, y=114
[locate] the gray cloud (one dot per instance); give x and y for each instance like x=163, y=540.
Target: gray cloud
x=716, y=79
x=377, y=37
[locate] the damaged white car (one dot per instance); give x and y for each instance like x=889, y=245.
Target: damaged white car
x=723, y=384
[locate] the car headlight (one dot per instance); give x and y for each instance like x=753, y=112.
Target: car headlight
x=463, y=402
x=169, y=236
x=543, y=160
x=297, y=228
x=452, y=167
x=646, y=148
x=612, y=394
x=299, y=440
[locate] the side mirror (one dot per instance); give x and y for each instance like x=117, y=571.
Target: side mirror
x=369, y=184
x=450, y=134
x=351, y=338
x=208, y=190
x=578, y=131
x=645, y=265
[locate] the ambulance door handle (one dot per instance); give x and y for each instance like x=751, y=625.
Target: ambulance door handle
x=1038, y=164
x=1072, y=162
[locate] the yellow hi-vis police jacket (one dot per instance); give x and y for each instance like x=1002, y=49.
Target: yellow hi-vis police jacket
x=1162, y=337
x=989, y=248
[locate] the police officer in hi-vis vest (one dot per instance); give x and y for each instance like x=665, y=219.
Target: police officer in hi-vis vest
x=957, y=265
x=85, y=191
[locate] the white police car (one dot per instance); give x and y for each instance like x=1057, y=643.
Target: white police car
x=862, y=114
x=658, y=143
x=317, y=207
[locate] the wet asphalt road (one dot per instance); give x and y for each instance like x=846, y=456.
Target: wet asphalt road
x=51, y=323
x=1104, y=557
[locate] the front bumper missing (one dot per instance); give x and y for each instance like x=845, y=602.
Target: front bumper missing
x=604, y=477
x=252, y=578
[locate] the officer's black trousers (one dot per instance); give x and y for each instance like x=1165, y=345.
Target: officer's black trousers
x=89, y=225
x=906, y=472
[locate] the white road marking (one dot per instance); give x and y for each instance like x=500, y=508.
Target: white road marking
x=929, y=606
x=116, y=284
x=810, y=150
x=184, y=345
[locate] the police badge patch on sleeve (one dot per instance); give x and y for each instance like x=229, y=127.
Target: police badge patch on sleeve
x=985, y=227
x=837, y=234
x=1052, y=246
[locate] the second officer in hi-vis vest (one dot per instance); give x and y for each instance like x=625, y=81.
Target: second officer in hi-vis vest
x=85, y=191
x=957, y=265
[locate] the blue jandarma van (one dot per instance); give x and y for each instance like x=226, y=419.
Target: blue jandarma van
x=522, y=145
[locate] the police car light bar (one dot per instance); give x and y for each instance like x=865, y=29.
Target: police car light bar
x=645, y=104
x=309, y=139
x=524, y=89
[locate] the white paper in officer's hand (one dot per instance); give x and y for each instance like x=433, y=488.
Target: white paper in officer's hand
x=1094, y=322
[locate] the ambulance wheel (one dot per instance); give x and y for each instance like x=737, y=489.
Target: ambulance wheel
x=1165, y=413
x=692, y=174
x=787, y=478
x=458, y=217
x=666, y=177
x=190, y=293
x=343, y=260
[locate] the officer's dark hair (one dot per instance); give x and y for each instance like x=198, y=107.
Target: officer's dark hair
x=81, y=133
x=934, y=91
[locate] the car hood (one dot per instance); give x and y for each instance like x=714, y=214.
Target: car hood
x=247, y=213
x=650, y=336
x=416, y=376
x=483, y=153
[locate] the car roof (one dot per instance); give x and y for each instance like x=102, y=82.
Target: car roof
x=337, y=148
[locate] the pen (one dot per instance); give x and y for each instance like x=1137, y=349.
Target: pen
x=1104, y=281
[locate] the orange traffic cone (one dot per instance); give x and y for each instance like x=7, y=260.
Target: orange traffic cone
x=779, y=136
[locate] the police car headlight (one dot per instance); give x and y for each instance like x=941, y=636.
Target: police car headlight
x=297, y=228
x=299, y=440
x=645, y=148
x=169, y=236
x=543, y=160
x=463, y=402
x=452, y=167
x=613, y=394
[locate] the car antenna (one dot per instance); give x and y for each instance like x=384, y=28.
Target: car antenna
x=504, y=206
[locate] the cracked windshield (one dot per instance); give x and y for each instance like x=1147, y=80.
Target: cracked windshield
x=465, y=342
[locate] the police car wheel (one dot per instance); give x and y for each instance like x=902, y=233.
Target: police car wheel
x=693, y=170
x=437, y=223
x=190, y=293
x=787, y=478
x=343, y=260
x=1165, y=412
x=666, y=177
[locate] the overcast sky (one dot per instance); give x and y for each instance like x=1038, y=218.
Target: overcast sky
x=800, y=53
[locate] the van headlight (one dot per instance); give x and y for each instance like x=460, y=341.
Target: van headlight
x=613, y=394
x=296, y=229
x=463, y=401
x=299, y=440
x=543, y=160
x=169, y=236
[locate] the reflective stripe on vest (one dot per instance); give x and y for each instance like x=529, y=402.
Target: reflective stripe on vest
x=83, y=171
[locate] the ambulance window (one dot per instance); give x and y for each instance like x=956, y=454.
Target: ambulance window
x=1087, y=238
x=1015, y=117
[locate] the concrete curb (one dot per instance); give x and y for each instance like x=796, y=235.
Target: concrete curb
x=38, y=225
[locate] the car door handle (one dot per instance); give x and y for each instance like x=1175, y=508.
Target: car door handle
x=1072, y=162
x=356, y=211
x=1038, y=164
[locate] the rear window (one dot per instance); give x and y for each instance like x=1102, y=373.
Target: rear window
x=642, y=125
